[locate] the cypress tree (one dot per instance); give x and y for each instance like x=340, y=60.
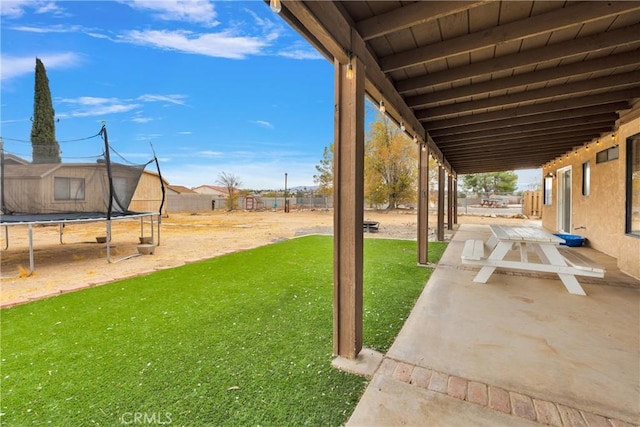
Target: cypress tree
x=43, y=130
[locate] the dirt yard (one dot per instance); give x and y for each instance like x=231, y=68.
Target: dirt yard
x=81, y=262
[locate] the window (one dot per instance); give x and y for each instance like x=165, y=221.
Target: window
x=633, y=186
x=548, y=190
x=68, y=188
x=586, y=178
x=608, y=154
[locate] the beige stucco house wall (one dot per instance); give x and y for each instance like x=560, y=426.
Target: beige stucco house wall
x=600, y=215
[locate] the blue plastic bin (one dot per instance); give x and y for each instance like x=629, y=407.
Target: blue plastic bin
x=572, y=240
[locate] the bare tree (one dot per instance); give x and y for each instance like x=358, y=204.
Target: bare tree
x=231, y=182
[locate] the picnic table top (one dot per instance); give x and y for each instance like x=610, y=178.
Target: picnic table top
x=524, y=234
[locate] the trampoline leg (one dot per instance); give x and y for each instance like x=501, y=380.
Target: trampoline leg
x=6, y=238
x=109, y=241
x=31, y=263
x=61, y=232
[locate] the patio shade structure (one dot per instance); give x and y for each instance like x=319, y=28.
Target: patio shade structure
x=484, y=86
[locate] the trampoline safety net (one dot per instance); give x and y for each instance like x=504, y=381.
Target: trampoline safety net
x=95, y=185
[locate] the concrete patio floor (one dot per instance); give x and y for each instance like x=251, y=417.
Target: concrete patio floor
x=518, y=350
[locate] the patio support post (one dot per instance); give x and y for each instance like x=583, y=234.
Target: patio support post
x=455, y=200
x=348, y=208
x=450, y=197
x=423, y=205
x=440, y=203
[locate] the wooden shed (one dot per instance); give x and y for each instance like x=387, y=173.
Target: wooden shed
x=148, y=194
x=67, y=187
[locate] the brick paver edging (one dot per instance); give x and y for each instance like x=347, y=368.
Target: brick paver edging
x=496, y=398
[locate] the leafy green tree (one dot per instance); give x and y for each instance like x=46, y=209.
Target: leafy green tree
x=494, y=182
x=231, y=182
x=391, y=165
x=324, y=178
x=45, y=148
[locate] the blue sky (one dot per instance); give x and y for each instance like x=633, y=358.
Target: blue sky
x=213, y=86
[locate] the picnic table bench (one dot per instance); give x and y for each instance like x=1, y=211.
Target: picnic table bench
x=370, y=226
x=565, y=262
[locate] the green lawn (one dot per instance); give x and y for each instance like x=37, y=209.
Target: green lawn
x=243, y=339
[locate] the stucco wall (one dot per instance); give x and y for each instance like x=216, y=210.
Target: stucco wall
x=602, y=212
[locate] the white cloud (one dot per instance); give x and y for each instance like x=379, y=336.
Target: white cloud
x=263, y=123
x=50, y=29
x=87, y=106
x=187, y=132
x=17, y=8
x=300, y=54
x=209, y=153
x=50, y=7
x=173, y=99
x=141, y=120
x=222, y=45
x=148, y=136
x=194, y=11
x=13, y=66
x=270, y=29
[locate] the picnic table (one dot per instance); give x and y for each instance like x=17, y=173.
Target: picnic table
x=492, y=202
x=567, y=264
x=370, y=226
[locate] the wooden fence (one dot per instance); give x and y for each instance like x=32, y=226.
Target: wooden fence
x=532, y=203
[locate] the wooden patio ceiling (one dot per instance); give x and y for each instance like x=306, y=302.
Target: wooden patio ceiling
x=490, y=85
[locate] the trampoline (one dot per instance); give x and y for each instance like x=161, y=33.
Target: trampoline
x=37, y=194
x=62, y=219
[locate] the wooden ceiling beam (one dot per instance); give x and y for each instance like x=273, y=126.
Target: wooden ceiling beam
x=530, y=110
x=608, y=118
x=583, y=69
x=408, y=16
x=540, y=119
x=533, y=137
x=618, y=81
x=570, y=16
x=524, y=145
x=536, y=158
x=468, y=168
x=581, y=46
x=481, y=156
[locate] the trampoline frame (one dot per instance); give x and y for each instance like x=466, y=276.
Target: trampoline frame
x=59, y=219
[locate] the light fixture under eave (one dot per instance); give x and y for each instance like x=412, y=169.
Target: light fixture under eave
x=382, y=107
x=424, y=147
x=349, y=70
x=415, y=139
x=275, y=5
x=402, y=127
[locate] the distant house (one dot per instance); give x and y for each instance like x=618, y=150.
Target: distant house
x=179, y=189
x=214, y=190
x=66, y=187
x=199, y=199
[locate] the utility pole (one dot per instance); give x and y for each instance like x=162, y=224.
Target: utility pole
x=286, y=200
